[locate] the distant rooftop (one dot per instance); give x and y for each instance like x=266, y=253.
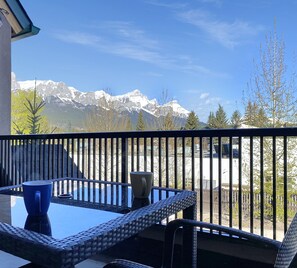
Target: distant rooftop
x=17, y=17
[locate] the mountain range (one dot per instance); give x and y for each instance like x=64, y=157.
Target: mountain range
x=67, y=106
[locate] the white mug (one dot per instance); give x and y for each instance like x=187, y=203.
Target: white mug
x=141, y=182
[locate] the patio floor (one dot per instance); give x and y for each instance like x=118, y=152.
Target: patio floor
x=10, y=261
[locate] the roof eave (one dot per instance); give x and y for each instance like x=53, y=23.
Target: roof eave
x=19, y=20
x=32, y=30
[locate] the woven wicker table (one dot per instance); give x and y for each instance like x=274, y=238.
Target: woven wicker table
x=97, y=216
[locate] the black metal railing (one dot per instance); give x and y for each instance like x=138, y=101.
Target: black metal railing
x=245, y=178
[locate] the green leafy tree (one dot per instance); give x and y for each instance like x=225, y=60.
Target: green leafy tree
x=192, y=121
x=236, y=119
x=140, y=126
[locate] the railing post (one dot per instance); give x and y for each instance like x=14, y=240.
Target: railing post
x=1, y=165
x=5, y=82
x=124, y=160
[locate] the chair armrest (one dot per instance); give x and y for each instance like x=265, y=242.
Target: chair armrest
x=174, y=225
x=170, y=232
x=121, y=263
x=257, y=239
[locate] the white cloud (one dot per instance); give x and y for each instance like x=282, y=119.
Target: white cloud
x=154, y=74
x=126, y=31
x=192, y=91
x=193, y=68
x=207, y=103
x=214, y=2
x=204, y=96
x=125, y=40
x=78, y=38
x=122, y=39
x=213, y=101
x=172, y=5
x=228, y=34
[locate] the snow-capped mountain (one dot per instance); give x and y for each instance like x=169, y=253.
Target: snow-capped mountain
x=58, y=95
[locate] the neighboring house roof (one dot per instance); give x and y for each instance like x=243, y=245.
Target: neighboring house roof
x=17, y=17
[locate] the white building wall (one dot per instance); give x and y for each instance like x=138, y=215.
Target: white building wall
x=5, y=76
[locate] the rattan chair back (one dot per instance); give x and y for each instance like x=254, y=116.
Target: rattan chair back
x=287, y=254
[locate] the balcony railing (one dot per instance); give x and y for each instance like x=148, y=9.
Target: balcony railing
x=245, y=178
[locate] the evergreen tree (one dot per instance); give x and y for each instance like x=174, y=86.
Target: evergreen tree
x=27, y=118
x=255, y=116
x=236, y=119
x=192, y=121
x=140, y=126
x=249, y=114
x=211, y=120
x=261, y=119
x=221, y=120
x=34, y=107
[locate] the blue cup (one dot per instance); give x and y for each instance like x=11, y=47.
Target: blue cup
x=37, y=197
x=39, y=224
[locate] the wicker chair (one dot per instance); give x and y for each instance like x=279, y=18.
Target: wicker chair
x=286, y=250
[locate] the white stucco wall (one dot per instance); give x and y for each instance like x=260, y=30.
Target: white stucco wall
x=5, y=76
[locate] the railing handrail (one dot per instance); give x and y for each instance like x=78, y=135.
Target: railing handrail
x=226, y=132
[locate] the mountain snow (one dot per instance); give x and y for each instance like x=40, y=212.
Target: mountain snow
x=131, y=101
x=176, y=107
x=135, y=97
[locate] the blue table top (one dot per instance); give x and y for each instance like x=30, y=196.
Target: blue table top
x=98, y=216
x=90, y=205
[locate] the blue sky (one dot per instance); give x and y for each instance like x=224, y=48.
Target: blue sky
x=201, y=51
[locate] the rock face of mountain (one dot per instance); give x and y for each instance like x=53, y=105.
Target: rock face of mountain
x=66, y=105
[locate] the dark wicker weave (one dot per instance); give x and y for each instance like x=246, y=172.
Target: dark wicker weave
x=286, y=251
x=67, y=252
x=120, y=263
